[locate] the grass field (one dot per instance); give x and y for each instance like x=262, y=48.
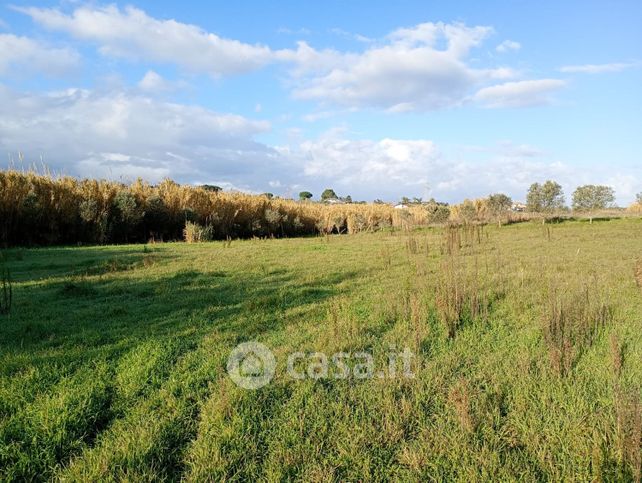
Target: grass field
x=528, y=343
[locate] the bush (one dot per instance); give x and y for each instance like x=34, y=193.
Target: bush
x=195, y=233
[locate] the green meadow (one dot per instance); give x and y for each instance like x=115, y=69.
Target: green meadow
x=527, y=341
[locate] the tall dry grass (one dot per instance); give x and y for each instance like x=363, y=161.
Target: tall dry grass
x=573, y=319
x=43, y=209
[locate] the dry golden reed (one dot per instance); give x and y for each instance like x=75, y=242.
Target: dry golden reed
x=43, y=209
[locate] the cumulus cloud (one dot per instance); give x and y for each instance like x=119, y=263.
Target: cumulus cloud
x=518, y=94
x=113, y=134
x=20, y=54
x=392, y=168
x=508, y=45
x=121, y=134
x=595, y=68
x=132, y=34
x=420, y=68
x=411, y=70
x=153, y=82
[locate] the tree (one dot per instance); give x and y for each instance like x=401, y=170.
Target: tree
x=305, y=195
x=348, y=199
x=638, y=198
x=499, y=203
x=269, y=196
x=211, y=187
x=437, y=212
x=328, y=194
x=405, y=200
x=592, y=197
x=545, y=198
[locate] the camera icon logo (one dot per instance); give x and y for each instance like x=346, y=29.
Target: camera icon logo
x=251, y=365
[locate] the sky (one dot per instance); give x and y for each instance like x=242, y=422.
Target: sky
x=377, y=100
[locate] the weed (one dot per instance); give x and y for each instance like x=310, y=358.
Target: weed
x=628, y=413
x=6, y=291
x=460, y=295
x=572, y=322
x=617, y=354
x=411, y=245
x=459, y=398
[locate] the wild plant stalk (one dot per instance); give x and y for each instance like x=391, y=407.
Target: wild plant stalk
x=417, y=319
x=628, y=414
x=617, y=355
x=572, y=322
x=461, y=294
x=459, y=399
x=451, y=239
x=7, y=291
x=411, y=245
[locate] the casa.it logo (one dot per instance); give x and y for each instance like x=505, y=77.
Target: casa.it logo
x=251, y=365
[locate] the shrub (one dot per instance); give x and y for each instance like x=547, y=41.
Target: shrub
x=195, y=233
x=572, y=322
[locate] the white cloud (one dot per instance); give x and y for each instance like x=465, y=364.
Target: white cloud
x=391, y=168
x=518, y=94
x=419, y=68
x=123, y=134
x=130, y=33
x=508, y=45
x=366, y=163
x=351, y=36
x=289, y=31
x=510, y=149
x=20, y=54
x=595, y=68
x=154, y=82
x=120, y=134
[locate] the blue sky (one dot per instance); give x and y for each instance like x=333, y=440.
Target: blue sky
x=443, y=99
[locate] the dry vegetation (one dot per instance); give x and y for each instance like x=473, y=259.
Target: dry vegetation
x=40, y=209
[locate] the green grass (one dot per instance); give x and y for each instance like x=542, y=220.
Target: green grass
x=112, y=361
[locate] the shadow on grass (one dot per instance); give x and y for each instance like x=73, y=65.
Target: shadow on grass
x=53, y=263
x=68, y=320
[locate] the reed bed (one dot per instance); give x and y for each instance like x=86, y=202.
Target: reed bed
x=40, y=209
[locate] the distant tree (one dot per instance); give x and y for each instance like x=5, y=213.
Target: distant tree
x=328, y=194
x=305, y=195
x=534, y=198
x=417, y=201
x=348, y=199
x=269, y=196
x=467, y=210
x=545, y=198
x=212, y=188
x=437, y=212
x=405, y=200
x=590, y=197
x=638, y=198
x=378, y=202
x=499, y=203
